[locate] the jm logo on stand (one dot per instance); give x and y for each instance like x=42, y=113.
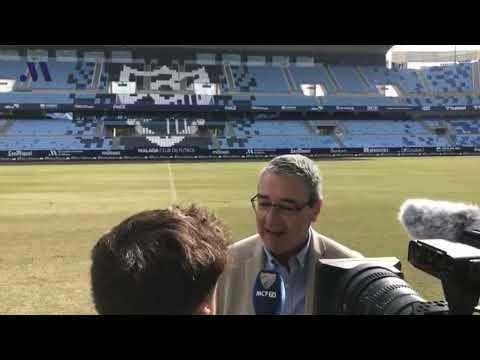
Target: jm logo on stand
x=32, y=69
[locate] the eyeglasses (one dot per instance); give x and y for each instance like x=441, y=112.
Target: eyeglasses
x=262, y=206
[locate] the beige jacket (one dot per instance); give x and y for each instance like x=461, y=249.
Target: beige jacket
x=246, y=259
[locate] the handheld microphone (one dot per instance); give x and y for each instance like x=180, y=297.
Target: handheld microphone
x=430, y=219
x=268, y=293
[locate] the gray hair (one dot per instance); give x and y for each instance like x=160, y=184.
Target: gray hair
x=298, y=165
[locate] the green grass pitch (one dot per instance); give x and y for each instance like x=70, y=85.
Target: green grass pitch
x=52, y=214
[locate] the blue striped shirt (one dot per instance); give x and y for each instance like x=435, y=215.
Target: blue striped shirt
x=294, y=279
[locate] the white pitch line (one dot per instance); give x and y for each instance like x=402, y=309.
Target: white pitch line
x=173, y=191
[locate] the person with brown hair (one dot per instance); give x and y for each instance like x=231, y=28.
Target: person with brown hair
x=160, y=262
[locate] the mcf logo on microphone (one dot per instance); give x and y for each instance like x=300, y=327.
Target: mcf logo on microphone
x=267, y=280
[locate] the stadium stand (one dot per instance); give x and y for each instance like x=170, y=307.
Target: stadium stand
x=173, y=83
x=405, y=79
x=359, y=100
x=312, y=75
x=440, y=100
x=404, y=127
x=258, y=79
x=449, y=78
x=215, y=75
x=347, y=78
x=244, y=84
x=292, y=100
x=36, y=98
x=466, y=126
x=12, y=69
x=393, y=141
x=59, y=74
x=36, y=127
x=245, y=134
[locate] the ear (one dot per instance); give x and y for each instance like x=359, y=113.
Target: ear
x=316, y=209
x=207, y=307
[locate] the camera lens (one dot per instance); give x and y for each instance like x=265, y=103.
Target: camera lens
x=373, y=286
x=374, y=290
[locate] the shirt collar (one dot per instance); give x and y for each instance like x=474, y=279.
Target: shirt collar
x=301, y=256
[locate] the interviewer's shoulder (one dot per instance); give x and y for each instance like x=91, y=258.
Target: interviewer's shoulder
x=334, y=249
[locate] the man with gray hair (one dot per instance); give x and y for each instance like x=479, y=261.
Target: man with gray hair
x=287, y=203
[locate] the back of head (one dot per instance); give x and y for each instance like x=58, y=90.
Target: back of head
x=158, y=262
x=298, y=165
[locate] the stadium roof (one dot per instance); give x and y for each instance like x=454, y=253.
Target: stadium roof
x=383, y=49
x=311, y=49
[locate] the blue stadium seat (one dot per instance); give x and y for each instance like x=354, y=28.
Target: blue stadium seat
x=449, y=78
x=348, y=79
x=312, y=75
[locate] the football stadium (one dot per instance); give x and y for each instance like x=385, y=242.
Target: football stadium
x=92, y=134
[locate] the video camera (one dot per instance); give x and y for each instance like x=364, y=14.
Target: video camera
x=376, y=286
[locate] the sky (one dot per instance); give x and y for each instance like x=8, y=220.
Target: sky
x=434, y=47
x=428, y=48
